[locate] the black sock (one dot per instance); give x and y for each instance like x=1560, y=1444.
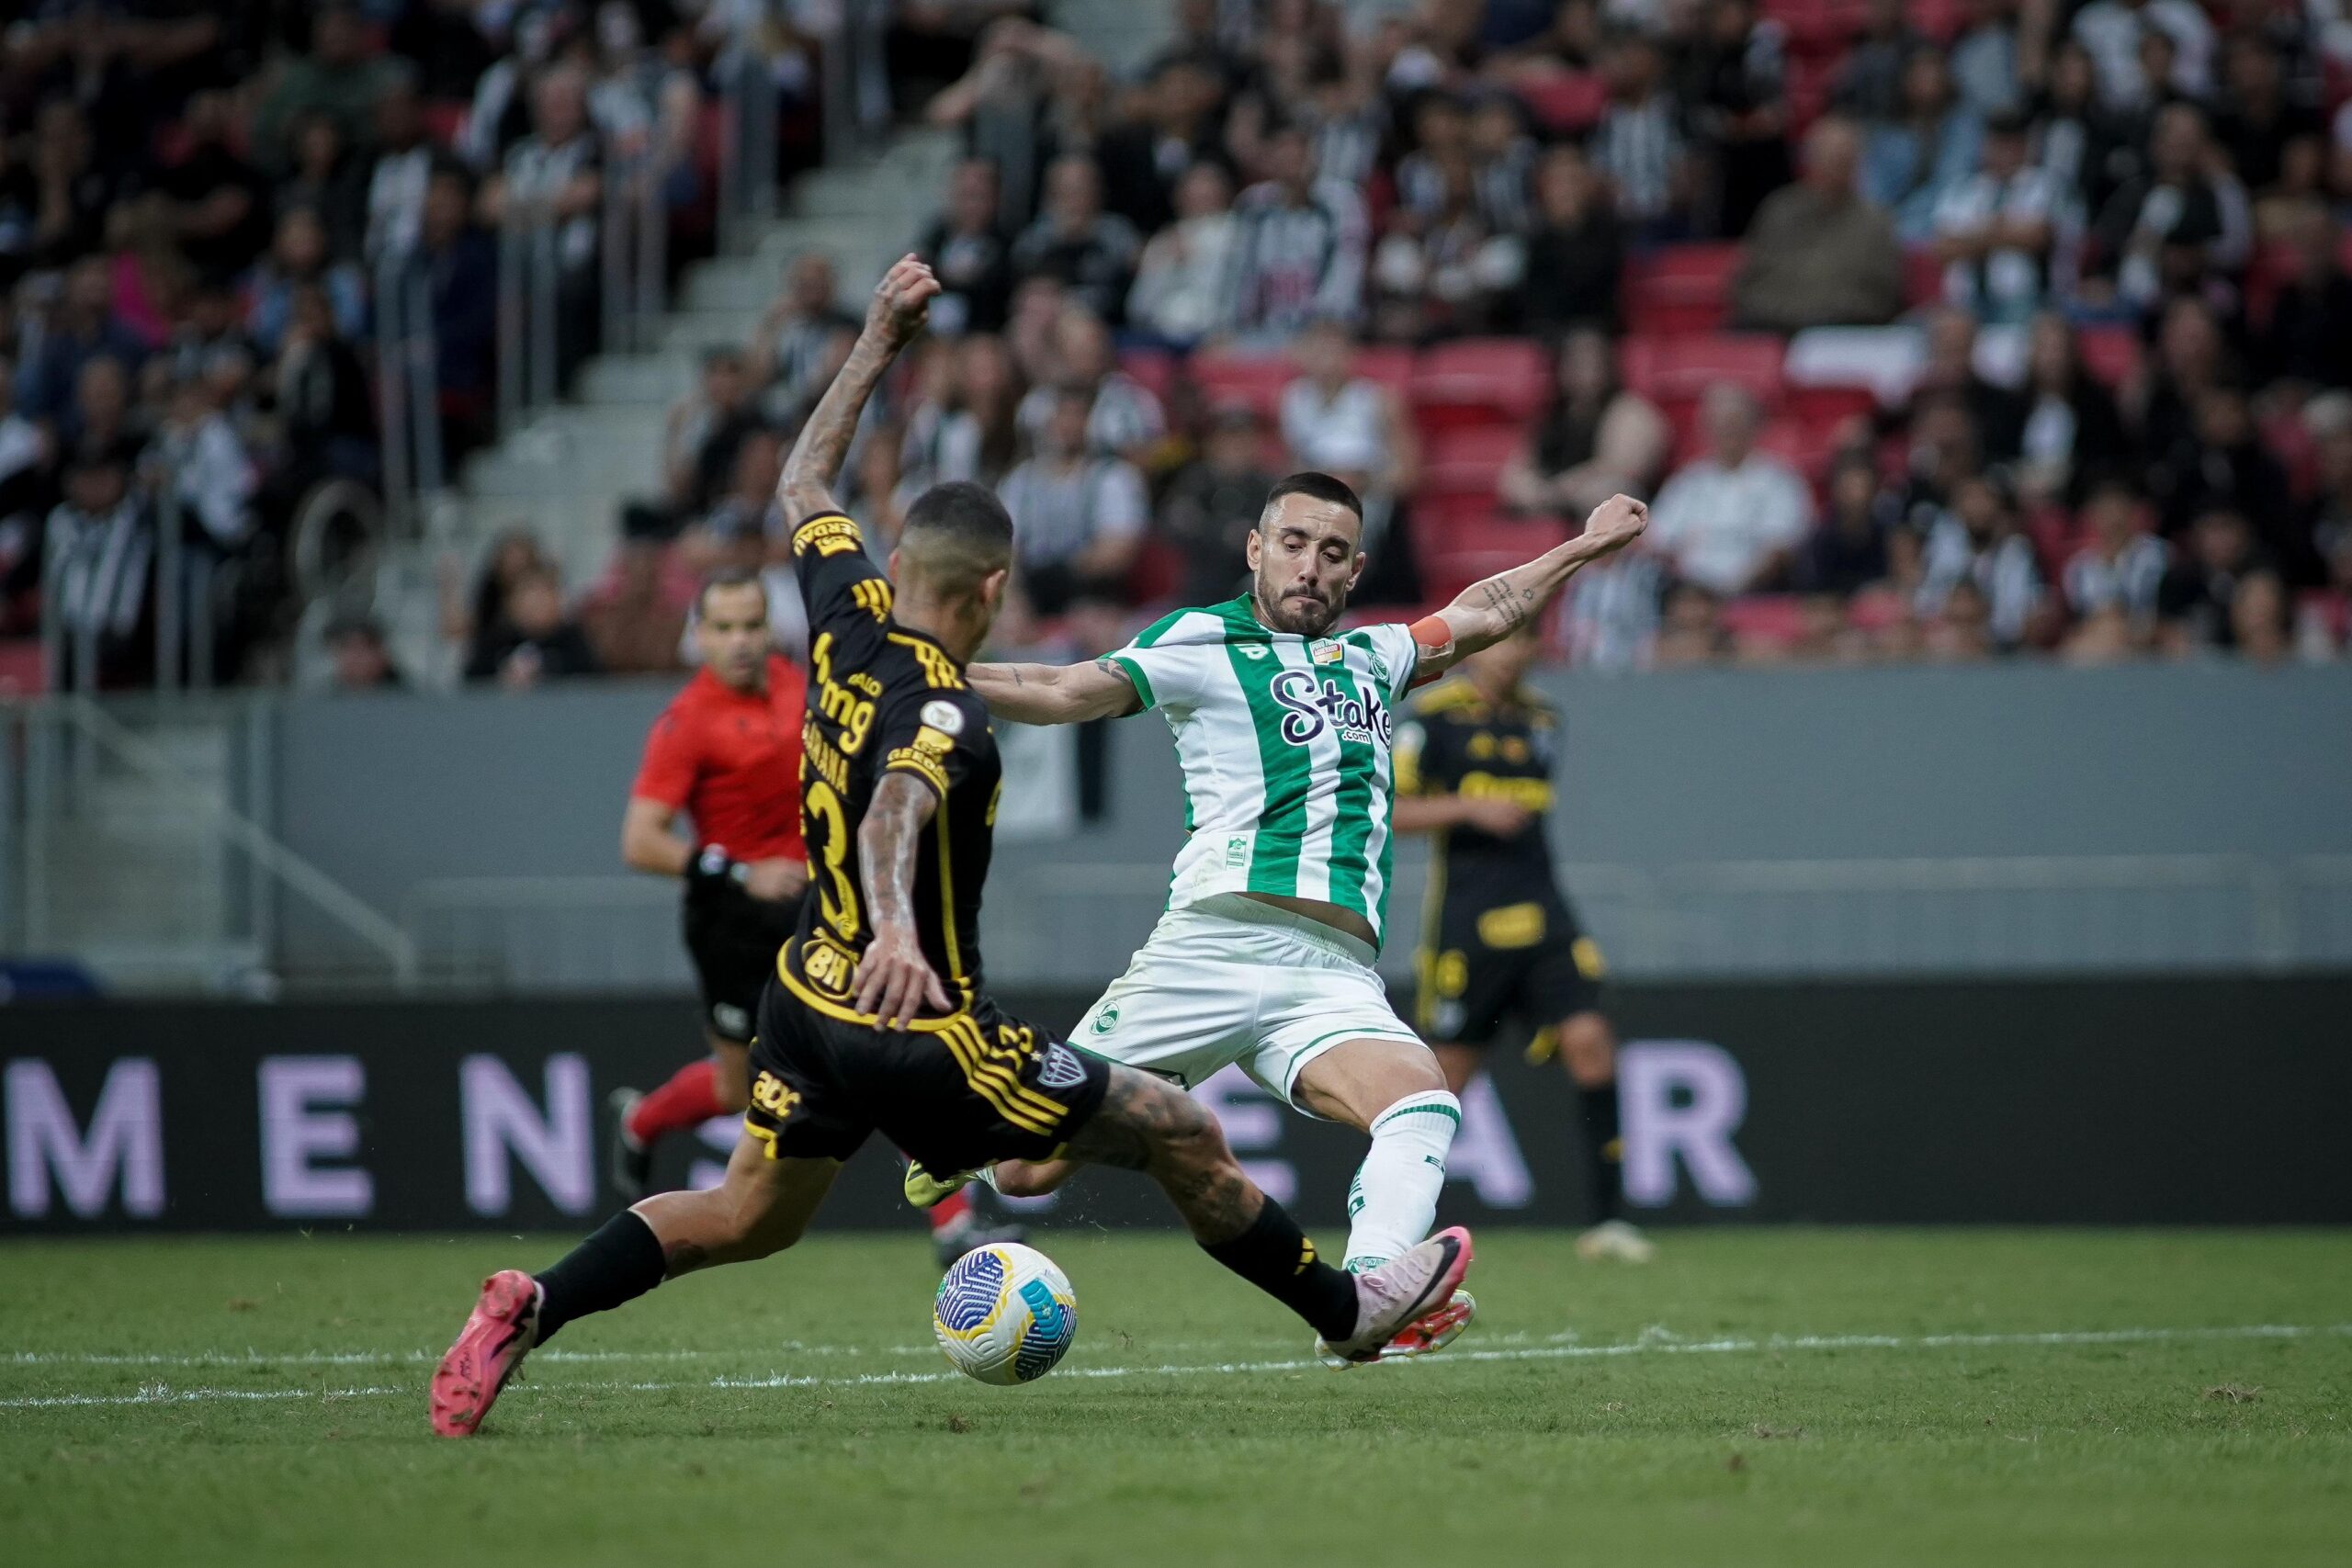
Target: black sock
x=1604, y=1150
x=1275, y=1255
x=619, y=1263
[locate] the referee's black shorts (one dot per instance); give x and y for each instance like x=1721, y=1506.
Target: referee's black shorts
x=955, y=1093
x=733, y=939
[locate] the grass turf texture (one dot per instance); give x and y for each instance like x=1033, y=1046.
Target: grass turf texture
x=1600, y=1415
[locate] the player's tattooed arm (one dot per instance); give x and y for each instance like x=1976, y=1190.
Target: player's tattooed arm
x=901, y=304
x=894, y=980
x=1056, y=693
x=1490, y=611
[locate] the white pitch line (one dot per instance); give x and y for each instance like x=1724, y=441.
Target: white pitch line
x=1651, y=1342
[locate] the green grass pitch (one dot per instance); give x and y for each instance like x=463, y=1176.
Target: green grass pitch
x=1756, y=1396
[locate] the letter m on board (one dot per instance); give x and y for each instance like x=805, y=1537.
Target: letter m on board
x=50, y=1153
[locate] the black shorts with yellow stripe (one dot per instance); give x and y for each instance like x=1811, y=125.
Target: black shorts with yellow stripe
x=955, y=1093
x=1491, y=964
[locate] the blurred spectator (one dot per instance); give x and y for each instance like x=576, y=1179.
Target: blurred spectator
x=795, y=338
x=1818, y=254
x=461, y=266
x=1996, y=415
x=1300, y=245
x=2223, y=467
x=468, y=620
x=328, y=181
x=2113, y=31
x=1981, y=541
x=322, y=398
x=636, y=618
x=220, y=210
x=1998, y=231
x=2310, y=338
x=98, y=546
x=73, y=188
x=1576, y=253
x=1959, y=631
x=1340, y=423
x=1213, y=502
x=558, y=170
x=1870, y=83
x=2072, y=432
x=1178, y=293
x=1593, y=439
x=1915, y=157
x=968, y=250
x=968, y=428
x=1730, y=521
x=1078, y=519
x=360, y=659
x=2119, y=569
x=1091, y=251
x=399, y=171
x=2259, y=618
x=2162, y=232
x=1639, y=145
x=81, y=327
x=445, y=40
x=2197, y=597
x=2255, y=120
x=706, y=431
x=1123, y=419
x=1848, y=552
x=2325, y=523
x=2191, y=358
x=1741, y=109
x=102, y=414
x=1690, y=627
x=1984, y=57
x=338, y=78
x=535, y=641
x=212, y=478
x=2084, y=148
x=299, y=258
x=1143, y=159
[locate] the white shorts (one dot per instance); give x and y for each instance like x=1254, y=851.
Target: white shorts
x=1229, y=980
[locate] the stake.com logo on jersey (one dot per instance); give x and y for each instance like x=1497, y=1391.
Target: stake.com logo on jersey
x=1307, y=707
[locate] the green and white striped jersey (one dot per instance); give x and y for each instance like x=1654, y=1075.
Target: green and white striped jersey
x=1285, y=742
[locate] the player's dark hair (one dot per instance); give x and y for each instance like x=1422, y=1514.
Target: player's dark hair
x=955, y=535
x=730, y=577
x=1315, y=487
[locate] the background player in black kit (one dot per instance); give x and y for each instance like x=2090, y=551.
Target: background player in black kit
x=1500, y=939
x=878, y=1018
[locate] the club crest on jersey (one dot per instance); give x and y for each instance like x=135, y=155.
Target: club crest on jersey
x=1308, y=709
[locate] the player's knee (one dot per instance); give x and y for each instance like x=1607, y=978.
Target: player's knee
x=1589, y=1048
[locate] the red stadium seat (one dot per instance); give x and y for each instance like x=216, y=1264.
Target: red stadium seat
x=1476, y=547
x=1923, y=277
x=1478, y=381
x=1681, y=288
x=1257, y=379
x=2111, y=351
x=22, y=671
x=1774, y=620
x=2272, y=268
x=1829, y=407
x=1151, y=368
x=444, y=119
x=1566, y=104
x=1468, y=462
x=1390, y=365
x=1678, y=369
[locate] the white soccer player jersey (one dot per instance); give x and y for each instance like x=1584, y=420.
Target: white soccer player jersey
x=1285, y=742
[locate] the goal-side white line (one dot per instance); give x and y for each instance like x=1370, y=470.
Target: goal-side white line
x=1653, y=1343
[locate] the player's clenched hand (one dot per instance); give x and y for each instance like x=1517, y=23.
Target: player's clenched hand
x=1617, y=522
x=774, y=879
x=894, y=980
x=1502, y=819
x=901, y=301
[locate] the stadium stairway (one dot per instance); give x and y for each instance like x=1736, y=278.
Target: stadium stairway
x=566, y=473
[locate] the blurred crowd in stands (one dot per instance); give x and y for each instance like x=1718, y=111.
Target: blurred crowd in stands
x=1932, y=330
x=197, y=202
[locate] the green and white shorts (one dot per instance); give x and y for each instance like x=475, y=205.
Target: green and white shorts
x=1231, y=981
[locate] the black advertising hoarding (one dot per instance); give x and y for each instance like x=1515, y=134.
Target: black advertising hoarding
x=2189, y=1101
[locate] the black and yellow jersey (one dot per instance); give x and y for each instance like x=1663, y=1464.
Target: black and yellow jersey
x=1454, y=742
x=883, y=699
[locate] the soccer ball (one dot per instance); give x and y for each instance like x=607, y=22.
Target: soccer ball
x=1004, y=1314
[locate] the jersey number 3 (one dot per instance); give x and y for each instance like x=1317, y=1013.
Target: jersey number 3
x=837, y=897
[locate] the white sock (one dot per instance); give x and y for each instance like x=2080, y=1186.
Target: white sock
x=1393, y=1200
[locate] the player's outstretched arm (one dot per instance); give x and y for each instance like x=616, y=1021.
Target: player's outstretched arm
x=901, y=303
x=894, y=979
x=1490, y=611
x=1055, y=693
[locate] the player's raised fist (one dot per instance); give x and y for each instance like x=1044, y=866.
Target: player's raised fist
x=901, y=301
x=1617, y=522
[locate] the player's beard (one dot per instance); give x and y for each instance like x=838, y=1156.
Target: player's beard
x=1298, y=615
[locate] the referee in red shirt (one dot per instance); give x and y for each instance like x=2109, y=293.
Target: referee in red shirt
x=726, y=753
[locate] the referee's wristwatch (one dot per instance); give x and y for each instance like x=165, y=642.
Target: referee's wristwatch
x=712, y=865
